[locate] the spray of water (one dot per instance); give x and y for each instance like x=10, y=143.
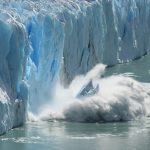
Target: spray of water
x=120, y=98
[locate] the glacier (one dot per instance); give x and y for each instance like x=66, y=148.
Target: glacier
x=13, y=88
x=42, y=42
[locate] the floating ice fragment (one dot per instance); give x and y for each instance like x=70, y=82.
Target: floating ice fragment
x=88, y=90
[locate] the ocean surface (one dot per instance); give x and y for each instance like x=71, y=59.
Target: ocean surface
x=61, y=135
x=132, y=135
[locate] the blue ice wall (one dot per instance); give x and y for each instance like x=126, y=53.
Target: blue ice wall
x=105, y=31
x=47, y=39
x=72, y=35
x=13, y=88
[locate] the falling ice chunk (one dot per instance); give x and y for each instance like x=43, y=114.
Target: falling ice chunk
x=88, y=90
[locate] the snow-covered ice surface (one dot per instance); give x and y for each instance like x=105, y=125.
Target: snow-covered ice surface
x=40, y=39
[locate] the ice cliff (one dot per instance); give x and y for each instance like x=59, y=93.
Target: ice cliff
x=13, y=89
x=39, y=38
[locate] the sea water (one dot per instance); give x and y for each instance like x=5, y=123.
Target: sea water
x=133, y=135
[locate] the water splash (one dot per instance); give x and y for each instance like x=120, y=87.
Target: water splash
x=120, y=98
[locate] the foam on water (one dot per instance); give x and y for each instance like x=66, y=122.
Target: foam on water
x=120, y=98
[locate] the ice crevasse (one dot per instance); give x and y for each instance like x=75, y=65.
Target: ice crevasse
x=39, y=39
